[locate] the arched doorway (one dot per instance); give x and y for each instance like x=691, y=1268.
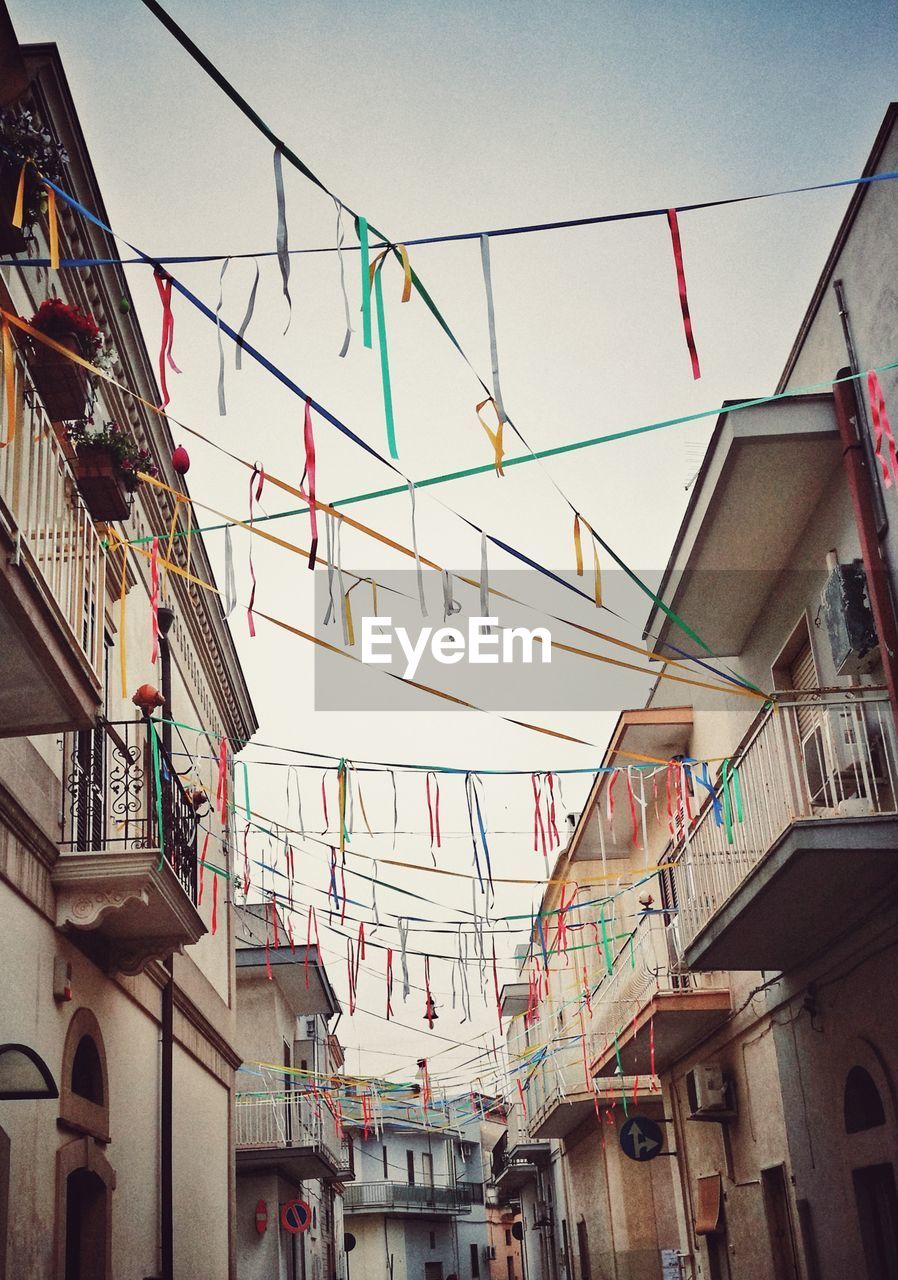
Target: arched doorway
x=865, y=1111
x=85, y=1179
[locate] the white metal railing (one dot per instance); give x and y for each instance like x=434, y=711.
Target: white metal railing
x=821, y=756
x=55, y=533
x=647, y=963
x=290, y=1119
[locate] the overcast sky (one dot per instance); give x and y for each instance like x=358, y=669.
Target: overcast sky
x=432, y=118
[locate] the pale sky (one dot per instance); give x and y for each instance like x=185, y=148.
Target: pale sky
x=432, y=118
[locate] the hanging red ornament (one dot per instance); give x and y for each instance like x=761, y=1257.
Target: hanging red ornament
x=148, y=698
x=180, y=460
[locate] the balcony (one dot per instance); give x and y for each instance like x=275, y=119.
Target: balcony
x=649, y=1012
x=516, y=1160
x=559, y=1099
x=126, y=877
x=817, y=845
x=402, y=1197
x=292, y=1133
x=52, y=575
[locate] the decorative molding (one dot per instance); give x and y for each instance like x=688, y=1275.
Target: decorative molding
x=132, y=899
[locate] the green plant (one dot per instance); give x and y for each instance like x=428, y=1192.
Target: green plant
x=86, y=438
x=23, y=139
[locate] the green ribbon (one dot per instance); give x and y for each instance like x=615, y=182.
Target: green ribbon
x=361, y=225
x=384, y=362
x=246, y=803
x=157, y=788
x=737, y=792
x=606, y=948
x=620, y=1067
x=727, y=810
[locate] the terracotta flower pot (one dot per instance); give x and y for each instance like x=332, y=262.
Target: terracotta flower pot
x=101, y=484
x=60, y=383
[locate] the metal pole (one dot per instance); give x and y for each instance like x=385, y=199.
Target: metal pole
x=166, y=1173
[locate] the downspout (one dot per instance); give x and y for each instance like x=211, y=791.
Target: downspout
x=862, y=489
x=166, y=1093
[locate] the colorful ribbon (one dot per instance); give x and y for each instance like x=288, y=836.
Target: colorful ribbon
x=882, y=431
x=681, y=287
x=164, y=286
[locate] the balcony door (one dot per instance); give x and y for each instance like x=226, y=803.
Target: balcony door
x=877, y=1211
x=427, y=1169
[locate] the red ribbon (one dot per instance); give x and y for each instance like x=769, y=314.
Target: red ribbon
x=681, y=286
x=310, y=478
x=632, y=801
x=163, y=284
x=214, y=905
x=882, y=428
x=274, y=921
x=310, y=920
x=154, y=602
x=433, y=811
x=221, y=795
x=199, y=897
x=496, y=988
x=521, y=1096
x=427, y=996
x=539, y=831
x=258, y=475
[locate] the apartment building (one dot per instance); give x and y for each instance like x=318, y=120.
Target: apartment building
x=417, y=1208
x=290, y=1143
x=118, y=951
x=751, y=981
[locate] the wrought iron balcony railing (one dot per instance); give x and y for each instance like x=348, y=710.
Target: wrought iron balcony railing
x=56, y=536
x=115, y=802
x=822, y=756
x=408, y=1197
x=292, y=1119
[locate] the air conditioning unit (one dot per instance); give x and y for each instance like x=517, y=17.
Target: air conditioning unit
x=489, y=1252
x=849, y=619
x=710, y=1094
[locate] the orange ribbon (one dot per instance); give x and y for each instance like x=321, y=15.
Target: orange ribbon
x=18, y=209
x=495, y=437
x=53, y=227
x=9, y=382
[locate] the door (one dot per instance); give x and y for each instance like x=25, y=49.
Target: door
x=85, y=1226
x=433, y=1271
x=427, y=1169
x=779, y=1223
x=877, y=1211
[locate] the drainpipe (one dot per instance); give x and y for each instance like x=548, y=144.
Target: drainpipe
x=166, y=1099
x=861, y=487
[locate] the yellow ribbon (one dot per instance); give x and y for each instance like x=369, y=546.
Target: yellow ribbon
x=53, y=226
x=9, y=381
x=578, y=552
x=377, y=264
x=347, y=613
x=495, y=437
x=18, y=209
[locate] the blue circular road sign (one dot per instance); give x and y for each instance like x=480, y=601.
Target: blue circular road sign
x=295, y=1216
x=641, y=1139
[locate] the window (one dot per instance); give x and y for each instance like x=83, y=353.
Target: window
x=509, y=1267
x=386, y=1165
x=508, y=1239
x=87, y=1071
x=475, y=1263
x=83, y=1092
x=433, y=1239
x=410, y=1164
x=863, y=1107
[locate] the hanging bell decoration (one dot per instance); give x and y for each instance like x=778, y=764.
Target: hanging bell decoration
x=430, y=1012
x=180, y=460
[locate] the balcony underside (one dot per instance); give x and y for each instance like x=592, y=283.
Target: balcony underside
x=48, y=685
x=125, y=908
x=296, y=1164
x=680, y=1020
x=563, y=1115
x=517, y=1174
x=816, y=882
